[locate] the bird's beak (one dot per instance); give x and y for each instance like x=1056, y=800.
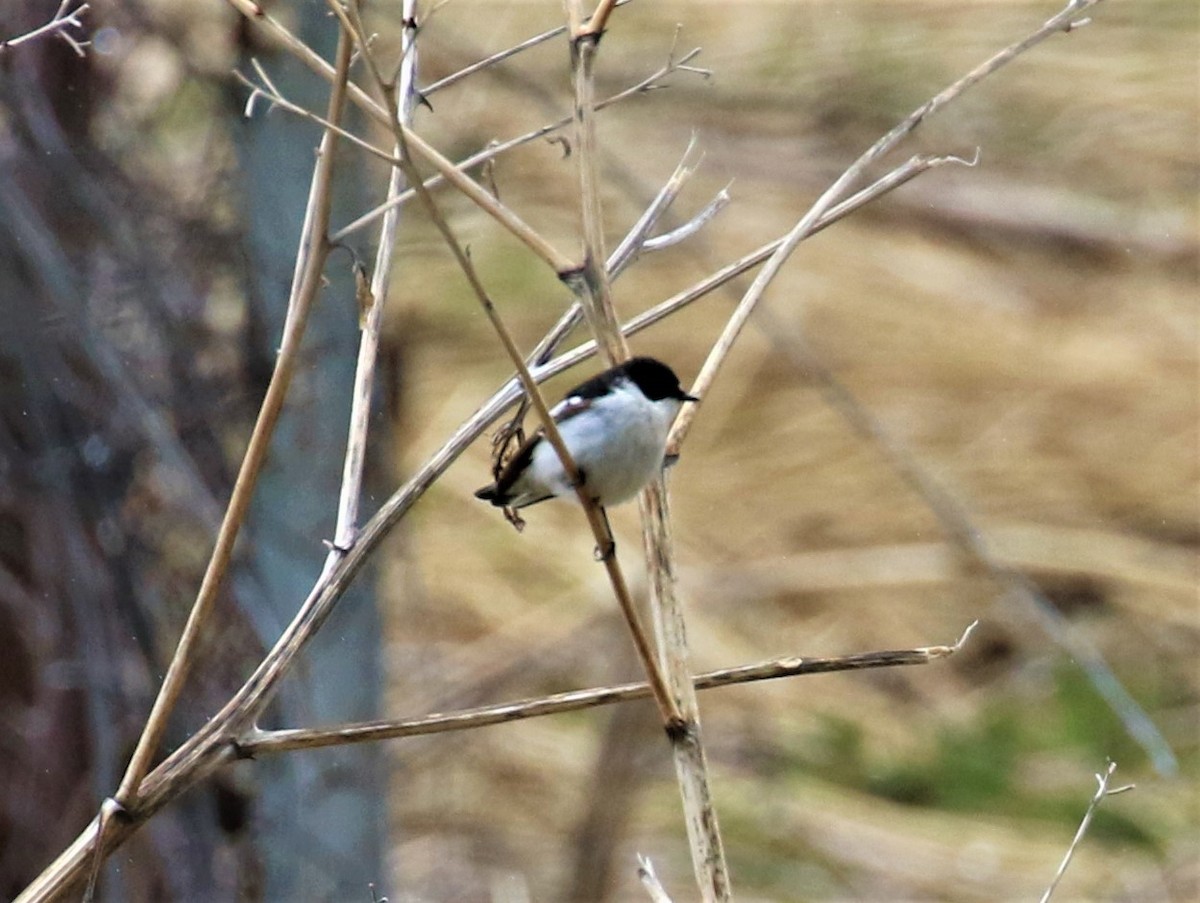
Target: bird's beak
x=687, y=397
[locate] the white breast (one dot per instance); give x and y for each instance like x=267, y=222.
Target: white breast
x=618, y=443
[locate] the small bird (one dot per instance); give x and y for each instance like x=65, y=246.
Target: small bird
x=615, y=426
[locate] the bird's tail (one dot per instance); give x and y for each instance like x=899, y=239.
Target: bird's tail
x=490, y=493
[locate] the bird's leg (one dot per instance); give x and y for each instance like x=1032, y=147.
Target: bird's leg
x=608, y=548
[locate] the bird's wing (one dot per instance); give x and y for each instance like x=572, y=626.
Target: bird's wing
x=516, y=464
x=570, y=407
x=563, y=411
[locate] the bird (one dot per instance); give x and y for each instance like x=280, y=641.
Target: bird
x=615, y=427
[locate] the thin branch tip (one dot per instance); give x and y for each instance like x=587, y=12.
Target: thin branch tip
x=962, y=161
x=966, y=635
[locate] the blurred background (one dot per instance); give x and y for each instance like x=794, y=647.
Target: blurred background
x=1024, y=332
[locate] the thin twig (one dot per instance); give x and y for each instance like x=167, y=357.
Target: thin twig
x=501, y=56
x=368, y=350
x=494, y=150
x=494, y=59
x=638, y=239
x=686, y=230
x=650, y=880
x=62, y=20
x=1102, y=791
x=477, y=193
x=276, y=98
x=258, y=742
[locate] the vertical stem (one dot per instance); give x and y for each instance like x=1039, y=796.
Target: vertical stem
x=691, y=765
x=590, y=282
x=368, y=348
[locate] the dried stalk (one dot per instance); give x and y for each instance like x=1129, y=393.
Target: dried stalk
x=368, y=349
x=479, y=195
x=258, y=742
x=63, y=19
x=493, y=151
x=687, y=747
x=1102, y=791
x=590, y=282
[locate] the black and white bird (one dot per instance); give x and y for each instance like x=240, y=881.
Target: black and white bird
x=615, y=426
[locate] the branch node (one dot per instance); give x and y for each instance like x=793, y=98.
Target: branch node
x=678, y=729
x=241, y=752
x=574, y=277
x=114, y=808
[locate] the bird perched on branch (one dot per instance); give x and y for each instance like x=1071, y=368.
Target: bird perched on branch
x=615, y=427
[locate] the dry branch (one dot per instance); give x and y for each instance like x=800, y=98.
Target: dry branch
x=64, y=18
x=258, y=742
x=493, y=150
x=475, y=192
x=1102, y=791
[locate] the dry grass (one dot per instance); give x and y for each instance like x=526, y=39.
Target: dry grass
x=1047, y=380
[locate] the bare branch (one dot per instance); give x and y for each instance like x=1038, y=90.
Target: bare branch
x=257, y=742
x=1102, y=791
x=681, y=233
x=650, y=880
x=493, y=150
x=488, y=62
x=372, y=322
x=638, y=237
x=64, y=19
x=269, y=92
x=477, y=193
